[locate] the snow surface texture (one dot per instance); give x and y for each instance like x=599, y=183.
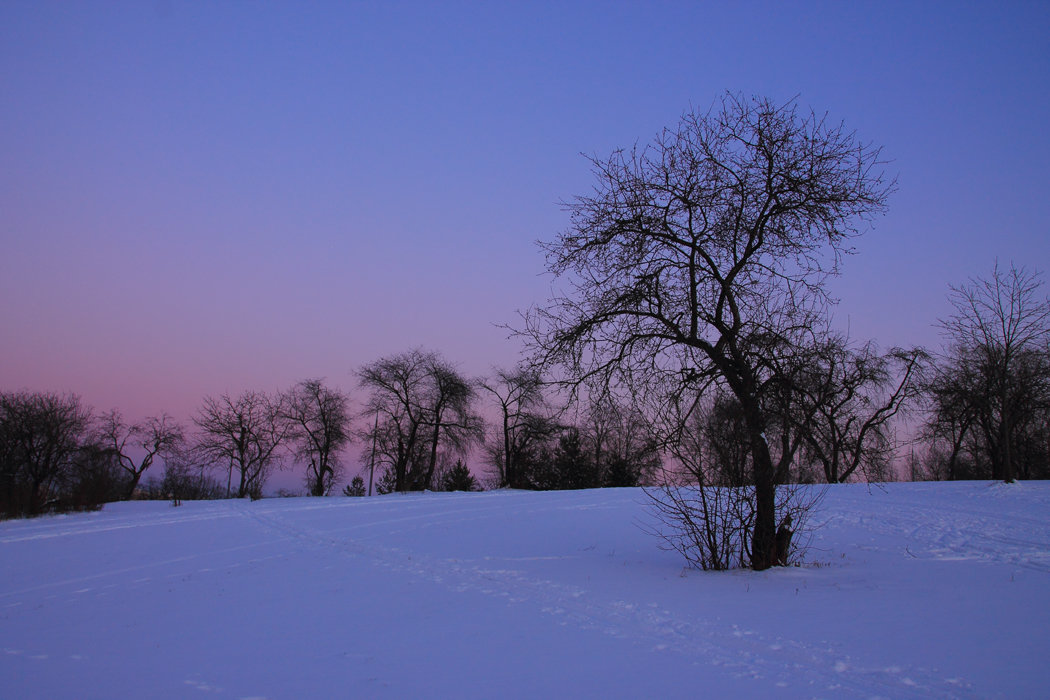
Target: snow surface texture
x=909, y=590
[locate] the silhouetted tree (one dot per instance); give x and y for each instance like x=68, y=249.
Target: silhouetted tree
x=319, y=427
x=855, y=395
x=995, y=377
x=622, y=448
x=450, y=418
x=356, y=487
x=387, y=482
x=702, y=253
x=242, y=435
x=525, y=420
x=572, y=463
x=458, y=478
x=185, y=478
x=398, y=387
x=424, y=409
x=560, y=462
x=721, y=445
x=41, y=434
x=95, y=477
x=137, y=445
x=963, y=421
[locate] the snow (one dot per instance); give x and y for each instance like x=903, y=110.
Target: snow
x=908, y=590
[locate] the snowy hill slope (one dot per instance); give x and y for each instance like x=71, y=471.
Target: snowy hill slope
x=912, y=590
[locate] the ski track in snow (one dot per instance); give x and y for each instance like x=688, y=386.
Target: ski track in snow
x=742, y=652
x=929, y=524
x=943, y=530
x=61, y=526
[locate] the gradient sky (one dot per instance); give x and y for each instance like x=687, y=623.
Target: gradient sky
x=201, y=197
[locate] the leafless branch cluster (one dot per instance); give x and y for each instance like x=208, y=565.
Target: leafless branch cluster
x=424, y=410
x=989, y=398
x=703, y=257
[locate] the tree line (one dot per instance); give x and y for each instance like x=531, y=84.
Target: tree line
x=419, y=424
x=690, y=344
x=693, y=279
x=981, y=404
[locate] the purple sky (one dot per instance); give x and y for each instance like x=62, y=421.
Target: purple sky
x=205, y=197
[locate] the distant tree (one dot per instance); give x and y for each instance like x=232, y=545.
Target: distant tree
x=963, y=422
x=319, y=428
x=719, y=445
x=458, y=478
x=137, y=445
x=623, y=449
x=387, y=481
x=995, y=376
x=560, y=463
x=450, y=419
x=356, y=487
x=399, y=387
x=41, y=435
x=705, y=254
x=423, y=409
x=854, y=397
x=186, y=478
x=525, y=421
x=242, y=435
x=95, y=477
x=575, y=468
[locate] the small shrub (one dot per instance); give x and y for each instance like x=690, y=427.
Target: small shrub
x=711, y=526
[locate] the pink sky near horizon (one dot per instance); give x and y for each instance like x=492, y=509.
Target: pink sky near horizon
x=198, y=198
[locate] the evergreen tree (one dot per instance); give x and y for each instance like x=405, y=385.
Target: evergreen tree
x=355, y=488
x=459, y=478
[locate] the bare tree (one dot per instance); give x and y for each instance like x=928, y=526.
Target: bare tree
x=702, y=253
x=137, y=445
x=398, y=388
x=186, y=478
x=1000, y=331
x=623, y=449
x=319, y=419
x=41, y=435
x=422, y=406
x=242, y=435
x=450, y=417
x=94, y=478
x=855, y=396
x=525, y=419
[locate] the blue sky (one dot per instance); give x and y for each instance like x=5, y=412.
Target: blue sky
x=208, y=197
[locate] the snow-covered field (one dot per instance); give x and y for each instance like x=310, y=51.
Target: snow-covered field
x=911, y=590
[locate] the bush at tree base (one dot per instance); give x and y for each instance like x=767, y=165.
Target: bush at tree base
x=711, y=526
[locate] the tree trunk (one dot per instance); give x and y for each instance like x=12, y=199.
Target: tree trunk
x=132, y=485
x=1005, y=438
x=506, y=451
x=318, y=487
x=429, y=476
x=764, y=537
